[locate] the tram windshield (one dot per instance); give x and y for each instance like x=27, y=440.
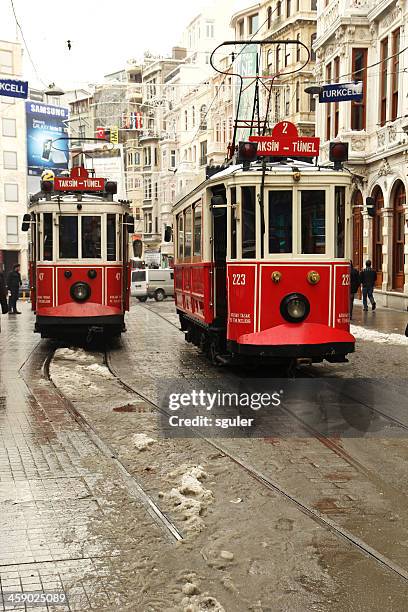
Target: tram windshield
x=280, y=221
x=91, y=237
x=313, y=219
x=68, y=237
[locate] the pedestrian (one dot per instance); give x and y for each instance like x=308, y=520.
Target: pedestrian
x=13, y=285
x=3, y=294
x=368, y=277
x=355, y=283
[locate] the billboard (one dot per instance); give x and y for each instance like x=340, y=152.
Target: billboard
x=107, y=162
x=45, y=125
x=246, y=66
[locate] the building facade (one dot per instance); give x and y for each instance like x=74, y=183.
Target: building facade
x=13, y=166
x=367, y=41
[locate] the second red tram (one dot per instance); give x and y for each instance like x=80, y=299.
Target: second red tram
x=79, y=268
x=271, y=280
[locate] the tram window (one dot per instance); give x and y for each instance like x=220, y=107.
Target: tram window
x=280, y=222
x=187, y=233
x=180, y=235
x=313, y=222
x=68, y=237
x=47, y=219
x=91, y=237
x=248, y=222
x=111, y=237
x=340, y=211
x=233, y=224
x=197, y=229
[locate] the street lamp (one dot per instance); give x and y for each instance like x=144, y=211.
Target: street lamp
x=314, y=90
x=54, y=90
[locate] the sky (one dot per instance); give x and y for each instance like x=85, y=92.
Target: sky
x=103, y=35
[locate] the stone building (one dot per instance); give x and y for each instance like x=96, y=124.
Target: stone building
x=363, y=40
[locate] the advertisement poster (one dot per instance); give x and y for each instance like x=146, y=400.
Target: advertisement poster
x=106, y=160
x=45, y=125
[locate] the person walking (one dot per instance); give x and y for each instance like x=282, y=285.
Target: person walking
x=3, y=294
x=368, y=277
x=13, y=285
x=355, y=283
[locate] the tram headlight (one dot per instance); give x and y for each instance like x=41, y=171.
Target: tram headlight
x=80, y=291
x=295, y=307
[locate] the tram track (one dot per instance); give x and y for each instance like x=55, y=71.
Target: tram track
x=132, y=485
x=272, y=485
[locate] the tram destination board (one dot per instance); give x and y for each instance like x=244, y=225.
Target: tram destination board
x=286, y=142
x=79, y=180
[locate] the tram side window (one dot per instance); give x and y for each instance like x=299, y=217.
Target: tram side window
x=180, y=235
x=187, y=233
x=48, y=241
x=91, y=237
x=280, y=221
x=111, y=237
x=68, y=237
x=248, y=222
x=197, y=230
x=313, y=208
x=233, y=223
x=340, y=212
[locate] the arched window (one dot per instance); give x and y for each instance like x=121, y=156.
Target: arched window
x=399, y=201
x=269, y=17
x=312, y=51
x=203, y=117
x=378, y=234
x=278, y=8
x=357, y=230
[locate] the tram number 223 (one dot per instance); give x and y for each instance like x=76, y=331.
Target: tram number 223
x=239, y=279
x=345, y=279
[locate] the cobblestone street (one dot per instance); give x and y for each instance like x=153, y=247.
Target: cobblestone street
x=84, y=504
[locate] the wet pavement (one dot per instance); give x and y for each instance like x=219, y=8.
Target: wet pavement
x=383, y=320
x=60, y=496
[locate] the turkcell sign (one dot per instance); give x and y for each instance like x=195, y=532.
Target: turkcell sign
x=13, y=89
x=341, y=92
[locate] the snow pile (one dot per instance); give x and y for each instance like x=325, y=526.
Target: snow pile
x=101, y=370
x=141, y=441
x=201, y=603
x=372, y=335
x=77, y=355
x=190, y=498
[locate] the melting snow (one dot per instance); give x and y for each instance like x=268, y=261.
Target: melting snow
x=190, y=497
x=141, y=441
x=372, y=335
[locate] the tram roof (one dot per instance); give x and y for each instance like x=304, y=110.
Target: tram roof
x=70, y=198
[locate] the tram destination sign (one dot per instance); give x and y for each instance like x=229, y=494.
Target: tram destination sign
x=79, y=180
x=341, y=92
x=286, y=142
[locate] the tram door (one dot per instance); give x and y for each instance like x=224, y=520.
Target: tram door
x=220, y=257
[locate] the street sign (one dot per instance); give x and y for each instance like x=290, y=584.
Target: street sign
x=341, y=92
x=286, y=142
x=79, y=180
x=13, y=89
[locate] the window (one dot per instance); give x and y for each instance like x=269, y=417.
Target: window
x=233, y=223
x=155, y=156
x=383, y=81
x=328, y=105
x=180, y=235
x=186, y=120
x=11, y=192
x=340, y=212
x=47, y=237
x=91, y=237
x=241, y=29
x=313, y=215
x=280, y=221
x=278, y=8
x=12, y=229
x=395, y=74
x=298, y=48
x=248, y=222
x=6, y=62
x=197, y=229
x=336, y=104
x=312, y=51
x=193, y=119
x=287, y=101
x=312, y=104
x=203, y=117
x=287, y=55
x=147, y=156
x=378, y=233
x=172, y=158
x=252, y=24
x=277, y=58
x=297, y=96
x=288, y=7
x=147, y=188
x=269, y=17
x=9, y=127
x=203, y=153
x=358, y=109
x=68, y=237
x=10, y=160
x=187, y=233
x=209, y=29
x=111, y=236
x=313, y=5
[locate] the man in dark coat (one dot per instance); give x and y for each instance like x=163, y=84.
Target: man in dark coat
x=13, y=285
x=355, y=283
x=368, y=277
x=3, y=294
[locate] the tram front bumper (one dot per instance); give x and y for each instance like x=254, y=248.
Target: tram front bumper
x=296, y=340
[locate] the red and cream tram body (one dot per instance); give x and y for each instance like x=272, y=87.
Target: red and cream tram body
x=270, y=280
x=79, y=269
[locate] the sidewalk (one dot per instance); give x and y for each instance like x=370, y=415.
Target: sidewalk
x=383, y=320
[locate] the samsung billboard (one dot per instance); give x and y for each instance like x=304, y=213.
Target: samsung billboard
x=47, y=130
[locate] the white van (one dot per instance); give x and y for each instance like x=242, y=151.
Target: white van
x=138, y=285
x=160, y=283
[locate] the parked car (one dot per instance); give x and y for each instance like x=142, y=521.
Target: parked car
x=138, y=285
x=160, y=283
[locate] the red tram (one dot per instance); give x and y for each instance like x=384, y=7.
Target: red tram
x=262, y=262
x=79, y=269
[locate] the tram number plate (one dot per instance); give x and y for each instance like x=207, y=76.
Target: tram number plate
x=239, y=279
x=345, y=279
